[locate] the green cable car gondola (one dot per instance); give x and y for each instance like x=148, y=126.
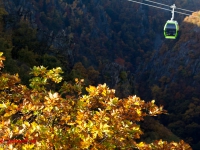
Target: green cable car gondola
x=171, y=29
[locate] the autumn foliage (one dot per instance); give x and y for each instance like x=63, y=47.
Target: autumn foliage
x=47, y=118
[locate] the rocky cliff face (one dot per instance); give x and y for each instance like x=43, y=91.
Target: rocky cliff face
x=27, y=10
x=19, y=10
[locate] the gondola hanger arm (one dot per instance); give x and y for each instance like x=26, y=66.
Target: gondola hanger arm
x=173, y=7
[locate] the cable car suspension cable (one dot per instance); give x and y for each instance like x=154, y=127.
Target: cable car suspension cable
x=169, y=6
x=159, y=7
x=157, y=3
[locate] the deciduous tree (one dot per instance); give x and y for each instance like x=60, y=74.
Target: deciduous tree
x=37, y=118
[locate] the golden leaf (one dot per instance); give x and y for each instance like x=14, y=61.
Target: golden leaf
x=27, y=123
x=76, y=80
x=141, y=144
x=3, y=105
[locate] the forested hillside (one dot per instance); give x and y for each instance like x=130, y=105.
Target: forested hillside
x=175, y=81
x=115, y=42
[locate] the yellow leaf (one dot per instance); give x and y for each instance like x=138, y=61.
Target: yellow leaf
x=137, y=103
x=86, y=142
x=90, y=124
x=65, y=118
x=2, y=105
x=71, y=123
x=138, y=112
x=34, y=125
x=27, y=123
x=92, y=90
x=104, y=92
x=48, y=108
x=16, y=129
x=141, y=144
x=76, y=80
x=8, y=114
x=28, y=146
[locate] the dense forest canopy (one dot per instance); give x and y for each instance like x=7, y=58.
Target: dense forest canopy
x=115, y=42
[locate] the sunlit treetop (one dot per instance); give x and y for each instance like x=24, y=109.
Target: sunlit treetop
x=39, y=117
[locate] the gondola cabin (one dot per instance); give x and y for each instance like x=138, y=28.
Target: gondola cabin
x=171, y=29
